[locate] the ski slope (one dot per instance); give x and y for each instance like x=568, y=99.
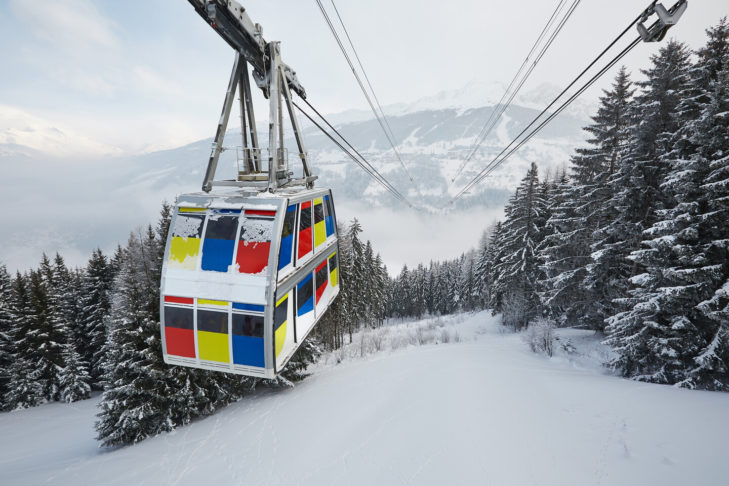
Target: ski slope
x=484, y=410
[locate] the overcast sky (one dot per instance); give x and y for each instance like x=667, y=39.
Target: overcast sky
x=136, y=75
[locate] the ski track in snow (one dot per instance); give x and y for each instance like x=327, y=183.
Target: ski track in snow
x=483, y=411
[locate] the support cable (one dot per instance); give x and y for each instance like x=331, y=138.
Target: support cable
x=501, y=107
x=361, y=161
x=494, y=161
x=362, y=87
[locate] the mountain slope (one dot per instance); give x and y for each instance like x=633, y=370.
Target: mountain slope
x=482, y=411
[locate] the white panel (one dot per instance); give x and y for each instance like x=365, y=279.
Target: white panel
x=217, y=286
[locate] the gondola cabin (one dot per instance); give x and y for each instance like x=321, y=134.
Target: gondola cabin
x=246, y=276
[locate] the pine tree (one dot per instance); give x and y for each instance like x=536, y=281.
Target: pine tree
x=74, y=378
x=46, y=335
x=637, y=183
x=25, y=388
x=137, y=403
x=517, y=267
x=96, y=286
x=7, y=317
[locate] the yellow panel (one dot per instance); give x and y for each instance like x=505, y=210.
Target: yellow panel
x=192, y=210
x=332, y=254
x=318, y=200
x=213, y=346
x=286, y=296
x=333, y=277
x=320, y=233
x=184, y=252
x=212, y=302
x=280, y=337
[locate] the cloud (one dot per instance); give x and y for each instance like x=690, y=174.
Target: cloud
x=147, y=80
x=20, y=130
x=73, y=25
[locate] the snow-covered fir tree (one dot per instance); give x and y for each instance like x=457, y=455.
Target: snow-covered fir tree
x=514, y=289
x=636, y=185
x=6, y=343
x=573, y=289
x=74, y=377
x=25, y=387
x=95, y=290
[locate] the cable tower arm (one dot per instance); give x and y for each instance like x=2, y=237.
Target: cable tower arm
x=229, y=19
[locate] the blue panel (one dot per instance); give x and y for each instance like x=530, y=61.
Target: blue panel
x=248, y=351
x=307, y=307
x=248, y=307
x=329, y=221
x=285, y=252
x=217, y=254
x=305, y=295
x=228, y=211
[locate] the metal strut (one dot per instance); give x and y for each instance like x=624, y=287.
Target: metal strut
x=276, y=80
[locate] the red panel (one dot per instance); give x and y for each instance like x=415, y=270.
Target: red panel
x=323, y=264
x=180, y=342
x=306, y=204
x=252, y=257
x=305, y=244
x=321, y=289
x=178, y=300
x=260, y=212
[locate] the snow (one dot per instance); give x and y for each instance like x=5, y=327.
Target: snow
x=483, y=410
x=188, y=225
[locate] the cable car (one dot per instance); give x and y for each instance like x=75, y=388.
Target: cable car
x=251, y=264
x=246, y=278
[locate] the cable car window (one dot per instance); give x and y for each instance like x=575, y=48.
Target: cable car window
x=305, y=218
x=247, y=325
x=321, y=280
x=329, y=216
x=289, y=220
x=188, y=225
x=280, y=315
x=254, y=245
x=178, y=317
x=321, y=275
x=287, y=237
x=318, y=213
x=305, y=233
x=333, y=269
x=219, y=243
x=185, y=241
x=212, y=321
x=304, y=296
x=179, y=336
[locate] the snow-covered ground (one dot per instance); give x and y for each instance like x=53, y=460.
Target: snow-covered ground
x=405, y=407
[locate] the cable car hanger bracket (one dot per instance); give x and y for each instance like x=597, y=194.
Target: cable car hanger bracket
x=276, y=80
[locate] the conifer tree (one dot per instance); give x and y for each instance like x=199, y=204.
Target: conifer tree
x=517, y=267
x=96, y=287
x=7, y=317
x=46, y=333
x=74, y=377
x=636, y=186
x=25, y=388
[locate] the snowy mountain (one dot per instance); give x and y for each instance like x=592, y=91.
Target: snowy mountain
x=434, y=136
x=482, y=410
